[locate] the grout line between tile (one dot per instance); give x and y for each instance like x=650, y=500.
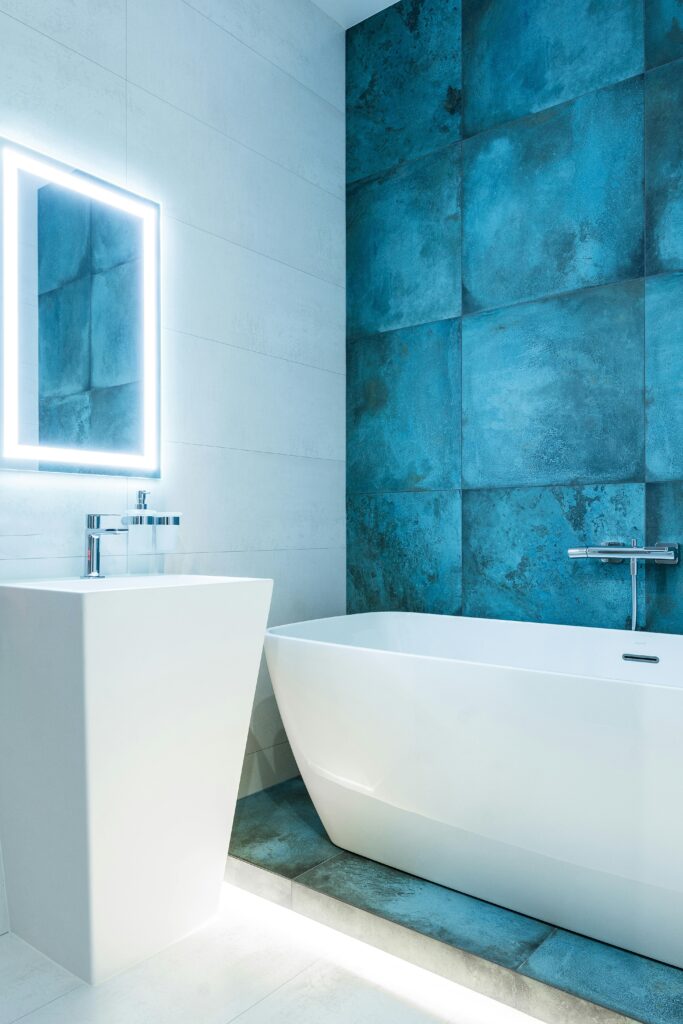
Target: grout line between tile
x=314, y=867
x=64, y=46
x=278, y=988
x=247, y=46
x=339, y=196
x=126, y=81
x=257, y=252
x=51, y=1002
x=254, y=451
x=526, y=959
x=254, y=351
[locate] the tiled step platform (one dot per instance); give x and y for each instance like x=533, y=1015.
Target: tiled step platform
x=280, y=851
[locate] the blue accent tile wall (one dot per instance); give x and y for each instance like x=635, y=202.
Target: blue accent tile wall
x=89, y=324
x=515, y=302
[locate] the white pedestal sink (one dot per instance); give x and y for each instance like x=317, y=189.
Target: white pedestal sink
x=124, y=712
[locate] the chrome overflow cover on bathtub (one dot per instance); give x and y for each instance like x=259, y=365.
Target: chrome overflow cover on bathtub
x=649, y=659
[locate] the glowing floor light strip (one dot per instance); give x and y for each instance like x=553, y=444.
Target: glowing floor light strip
x=15, y=161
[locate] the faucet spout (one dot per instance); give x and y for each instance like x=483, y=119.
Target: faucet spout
x=95, y=529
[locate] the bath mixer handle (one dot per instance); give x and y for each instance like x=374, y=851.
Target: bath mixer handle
x=662, y=554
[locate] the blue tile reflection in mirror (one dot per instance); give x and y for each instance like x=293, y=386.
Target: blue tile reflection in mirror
x=89, y=322
x=80, y=312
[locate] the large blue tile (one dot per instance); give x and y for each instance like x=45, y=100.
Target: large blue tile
x=643, y=989
x=63, y=237
x=65, y=422
x=64, y=339
x=117, y=326
x=116, y=237
x=403, y=245
x=403, y=409
x=664, y=583
x=278, y=829
x=481, y=928
x=554, y=202
x=402, y=85
x=116, y=419
x=553, y=390
x=663, y=31
x=519, y=58
x=664, y=377
x=404, y=552
x=664, y=168
x=514, y=553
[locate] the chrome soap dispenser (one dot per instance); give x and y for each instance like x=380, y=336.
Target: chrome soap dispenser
x=141, y=523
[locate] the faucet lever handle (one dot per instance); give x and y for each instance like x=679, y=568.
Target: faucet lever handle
x=97, y=520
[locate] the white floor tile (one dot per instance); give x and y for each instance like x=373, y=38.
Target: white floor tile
x=353, y=983
x=208, y=978
x=28, y=979
x=256, y=963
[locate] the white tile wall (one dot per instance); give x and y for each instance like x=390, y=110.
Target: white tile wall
x=300, y=40
x=230, y=114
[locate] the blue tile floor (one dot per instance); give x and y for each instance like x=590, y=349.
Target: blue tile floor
x=279, y=830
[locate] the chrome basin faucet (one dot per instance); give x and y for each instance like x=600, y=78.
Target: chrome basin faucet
x=95, y=529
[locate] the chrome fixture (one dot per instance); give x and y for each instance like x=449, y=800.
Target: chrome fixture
x=97, y=526
x=94, y=531
x=615, y=553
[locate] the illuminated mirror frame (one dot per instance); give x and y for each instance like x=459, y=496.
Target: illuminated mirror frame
x=15, y=161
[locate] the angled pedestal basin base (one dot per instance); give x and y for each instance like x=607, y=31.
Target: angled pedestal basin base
x=124, y=711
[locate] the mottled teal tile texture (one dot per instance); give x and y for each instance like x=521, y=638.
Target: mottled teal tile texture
x=63, y=237
x=499, y=935
x=664, y=168
x=403, y=85
x=404, y=551
x=89, y=324
x=116, y=325
x=664, y=583
x=278, y=829
x=553, y=390
x=116, y=237
x=554, y=202
x=551, y=228
x=515, y=563
x=519, y=58
x=403, y=414
x=643, y=989
x=663, y=31
x=664, y=377
x=67, y=417
x=64, y=339
x=116, y=419
x=403, y=245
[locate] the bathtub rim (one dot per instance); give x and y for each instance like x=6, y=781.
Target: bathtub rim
x=280, y=633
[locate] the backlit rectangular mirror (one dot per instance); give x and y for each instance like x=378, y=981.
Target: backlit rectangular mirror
x=80, y=314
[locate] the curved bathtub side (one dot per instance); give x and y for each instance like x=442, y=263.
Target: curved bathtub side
x=546, y=793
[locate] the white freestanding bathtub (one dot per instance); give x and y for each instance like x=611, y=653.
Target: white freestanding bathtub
x=525, y=764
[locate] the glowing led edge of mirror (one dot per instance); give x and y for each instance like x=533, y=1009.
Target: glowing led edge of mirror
x=15, y=161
